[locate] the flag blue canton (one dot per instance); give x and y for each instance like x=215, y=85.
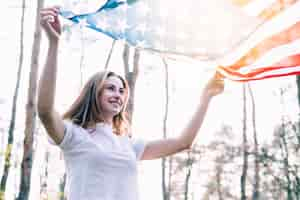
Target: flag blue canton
x=196, y=28
x=117, y=19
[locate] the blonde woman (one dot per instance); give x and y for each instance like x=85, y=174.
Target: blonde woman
x=101, y=159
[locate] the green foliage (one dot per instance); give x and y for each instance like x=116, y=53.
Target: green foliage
x=2, y=195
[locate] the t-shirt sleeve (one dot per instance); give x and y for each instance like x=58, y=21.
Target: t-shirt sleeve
x=138, y=146
x=71, y=137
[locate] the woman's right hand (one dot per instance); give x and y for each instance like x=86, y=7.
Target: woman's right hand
x=50, y=22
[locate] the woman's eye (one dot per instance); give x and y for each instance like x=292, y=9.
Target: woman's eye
x=122, y=91
x=111, y=88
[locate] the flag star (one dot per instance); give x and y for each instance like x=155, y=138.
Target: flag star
x=122, y=41
x=184, y=14
x=122, y=24
x=163, y=14
x=160, y=32
x=103, y=24
x=141, y=43
x=201, y=50
x=124, y=7
x=180, y=48
x=143, y=8
x=83, y=22
x=141, y=28
x=182, y=35
x=159, y=45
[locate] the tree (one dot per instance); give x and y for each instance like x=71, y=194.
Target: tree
x=280, y=158
x=245, y=148
x=256, y=193
x=30, y=123
x=109, y=54
x=285, y=154
x=189, y=166
x=298, y=97
x=131, y=76
x=14, y=109
x=224, y=153
x=166, y=179
x=44, y=177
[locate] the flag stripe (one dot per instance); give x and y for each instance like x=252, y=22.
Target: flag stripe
x=275, y=9
x=286, y=36
x=241, y=2
x=266, y=76
x=288, y=62
x=286, y=66
x=276, y=54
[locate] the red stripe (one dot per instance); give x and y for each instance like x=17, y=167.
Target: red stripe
x=288, y=62
x=257, y=71
x=284, y=37
x=269, y=76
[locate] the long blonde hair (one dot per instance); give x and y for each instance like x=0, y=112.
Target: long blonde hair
x=86, y=110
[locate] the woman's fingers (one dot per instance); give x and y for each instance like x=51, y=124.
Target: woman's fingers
x=47, y=16
x=48, y=12
x=218, y=76
x=50, y=22
x=215, y=85
x=52, y=9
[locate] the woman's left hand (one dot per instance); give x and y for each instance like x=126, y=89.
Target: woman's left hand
x=215, y=85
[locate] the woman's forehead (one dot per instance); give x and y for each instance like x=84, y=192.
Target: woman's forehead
x=114, y=80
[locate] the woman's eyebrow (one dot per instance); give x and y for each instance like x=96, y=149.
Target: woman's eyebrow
x=112, y=84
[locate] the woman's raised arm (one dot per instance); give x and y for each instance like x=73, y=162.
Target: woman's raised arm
x=165, y=147
x=51, y=120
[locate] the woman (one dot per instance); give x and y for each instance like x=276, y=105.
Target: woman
x=101, y=160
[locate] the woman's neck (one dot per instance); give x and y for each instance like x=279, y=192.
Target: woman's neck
x=108, y=120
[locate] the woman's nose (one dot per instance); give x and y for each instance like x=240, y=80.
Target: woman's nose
x=117, y=94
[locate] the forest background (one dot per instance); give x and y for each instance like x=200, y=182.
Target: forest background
x=248, y=147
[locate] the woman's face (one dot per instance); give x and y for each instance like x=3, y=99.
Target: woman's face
x=112, y=97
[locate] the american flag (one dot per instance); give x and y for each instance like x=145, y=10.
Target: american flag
x=228, y=32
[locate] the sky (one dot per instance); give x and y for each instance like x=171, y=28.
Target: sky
x=187, y=78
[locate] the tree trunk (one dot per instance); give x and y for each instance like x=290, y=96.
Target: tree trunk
x=44, y=178
x=219, y=172
x=131, y=77
x=62, y=188
x=14, y=109
x=245, y=148
x=256, y=193
x=298, y=88
x=165, y=186
x=286, y=166
x=109, y=55
x=82, y=57
x=189, y=165
x=297, y=184
x=30, y=128
x=170, y=168
x=285, y=153
x=298, y=95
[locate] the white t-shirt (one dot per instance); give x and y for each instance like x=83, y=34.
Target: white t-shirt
x=99, y=164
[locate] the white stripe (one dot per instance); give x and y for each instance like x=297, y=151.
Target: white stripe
x=279, y=23
x=275, y=55
x=254, y=8
x=280, y=71
x=273, y=72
